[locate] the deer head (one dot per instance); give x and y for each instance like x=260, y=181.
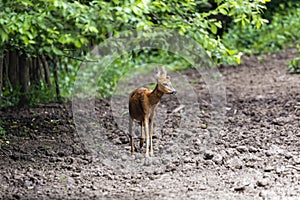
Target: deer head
x=163, y=81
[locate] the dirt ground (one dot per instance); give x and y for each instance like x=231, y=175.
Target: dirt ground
x=254, y=155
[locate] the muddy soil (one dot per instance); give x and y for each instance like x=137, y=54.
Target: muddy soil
x=254, y=152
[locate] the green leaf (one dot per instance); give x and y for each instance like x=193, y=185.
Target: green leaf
x=213, y=28
x=223, y=11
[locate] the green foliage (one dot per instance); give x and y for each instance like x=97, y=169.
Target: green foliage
x=10, y=97
x=283, y=30
x=61, y=28
x=2, y=132
x=3, y=135
x=51, y=26
x=294, y=64
x=135, y=62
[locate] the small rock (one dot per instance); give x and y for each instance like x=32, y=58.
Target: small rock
x=16, y=196
x=147, y=162
x=279, y=169
x=263, y=194
x=51, y=159
x=170, y=168
x=94, y=187
x=252, y=149
x=235, y=163
x=117, y=141
x=124, y=158
x=269, y=168
x=268, y=153
x=109, y=176
x=231, y=152
x=75, y=175
x=203, y=126
x=242, y=149
x=188, y=160
x=124, y=140
x=61, y=154
x=196, y=151
x=296, y=160
x=241, y=186
x=202, y=187
x=280, y=121
x=262, y=183
x=208, y=155
x=188, y=134
x=218, y=159
x=288, y=155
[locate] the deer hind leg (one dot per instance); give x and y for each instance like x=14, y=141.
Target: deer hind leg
x=142, y=140
x=130, y=135
x=146, y=128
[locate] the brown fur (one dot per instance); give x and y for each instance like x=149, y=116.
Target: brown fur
x=142, y=106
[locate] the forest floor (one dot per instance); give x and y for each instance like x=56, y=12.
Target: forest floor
x=254, y=155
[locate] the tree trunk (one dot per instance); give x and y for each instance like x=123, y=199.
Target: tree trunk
x=13, y=69
x=24, y=81
x=44, y=62
x=37, y=68
x=34, y=73
x=57, y=89
x=1, y=72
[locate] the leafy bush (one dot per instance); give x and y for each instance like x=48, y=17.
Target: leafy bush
x=294, y=64
x=283, y=30
x=3, y=135
x=56, y=29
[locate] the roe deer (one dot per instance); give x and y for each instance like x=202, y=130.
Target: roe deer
x=142, y=107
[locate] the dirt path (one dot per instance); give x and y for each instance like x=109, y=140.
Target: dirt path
x=256, y=155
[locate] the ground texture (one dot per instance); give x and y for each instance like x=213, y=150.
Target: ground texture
x=254, y=155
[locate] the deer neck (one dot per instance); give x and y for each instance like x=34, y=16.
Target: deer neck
x=155, y=96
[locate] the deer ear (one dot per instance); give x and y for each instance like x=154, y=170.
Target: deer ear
x=157, y=72
x=163, y=70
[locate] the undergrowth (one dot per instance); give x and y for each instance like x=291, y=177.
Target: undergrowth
x=282, y=32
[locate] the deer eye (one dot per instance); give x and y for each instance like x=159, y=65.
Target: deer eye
x=165, y=84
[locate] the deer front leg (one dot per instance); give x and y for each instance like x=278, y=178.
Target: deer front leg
x=151, y=134
x=152, y=114
x=146, y=128
x=130, y=135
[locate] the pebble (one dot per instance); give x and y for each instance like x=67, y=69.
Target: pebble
x=269, y=168
x=61, y=154
x=241, y=186
x=208, y=155
x=117, y=141
x=188, y=134
x=252, y=149
x=263, y=194
x=170, y=168
x=280, y=121
x=75, y=175
x=93, y=187
x=288, y=155
x=296, y=160
x=262, y=183
x=218, y=159
x=235, y=163
x=242, y=149
x=124, y=157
